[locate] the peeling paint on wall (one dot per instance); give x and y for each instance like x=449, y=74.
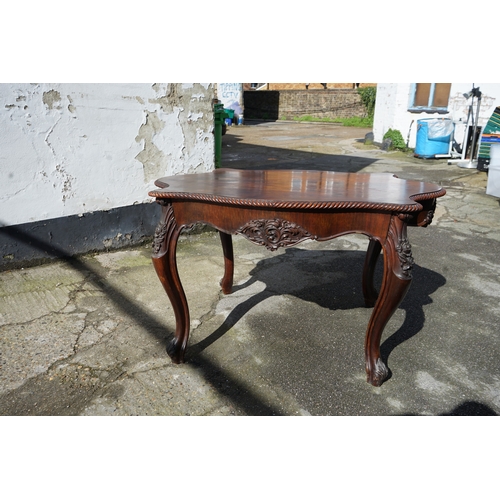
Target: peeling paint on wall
x=67, y=149
x=51, y=99
x=71, y=108
x=180, y=127
x=151, y=157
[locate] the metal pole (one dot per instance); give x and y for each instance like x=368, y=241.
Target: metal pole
x=476, y=121
x=470, y=163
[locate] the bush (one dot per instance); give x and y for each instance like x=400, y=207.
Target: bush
x=368, y=96
x=396, y=139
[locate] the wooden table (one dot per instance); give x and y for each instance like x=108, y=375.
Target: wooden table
x=280, y=208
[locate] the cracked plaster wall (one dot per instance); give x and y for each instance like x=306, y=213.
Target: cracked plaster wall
x=391, y=109
x=68, y=149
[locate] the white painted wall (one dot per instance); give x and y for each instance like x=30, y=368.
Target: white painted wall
x=69, y=148
x=393, y=99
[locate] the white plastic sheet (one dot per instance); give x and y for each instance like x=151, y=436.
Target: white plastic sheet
x=439, y=128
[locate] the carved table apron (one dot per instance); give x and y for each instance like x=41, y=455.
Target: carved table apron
x=279, y=208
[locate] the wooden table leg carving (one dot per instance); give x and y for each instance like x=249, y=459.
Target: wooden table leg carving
x=227, y=249
x=398, y=262
x=165, y=263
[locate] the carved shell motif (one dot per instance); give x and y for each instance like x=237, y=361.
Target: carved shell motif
x=274, y=233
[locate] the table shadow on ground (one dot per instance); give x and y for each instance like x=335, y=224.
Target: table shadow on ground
x=307, y=275
x=323, y=292
x=39, y=395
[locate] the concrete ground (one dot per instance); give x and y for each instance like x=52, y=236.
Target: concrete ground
x=87, y=336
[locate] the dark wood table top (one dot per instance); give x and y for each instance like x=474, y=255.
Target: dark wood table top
x=299, y=189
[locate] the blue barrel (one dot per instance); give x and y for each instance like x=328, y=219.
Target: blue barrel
x=430, y=142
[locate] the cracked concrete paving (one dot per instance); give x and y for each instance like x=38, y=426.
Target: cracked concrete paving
x=87, y=336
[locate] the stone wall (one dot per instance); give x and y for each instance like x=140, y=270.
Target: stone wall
x=312, y=86
x=288, y=104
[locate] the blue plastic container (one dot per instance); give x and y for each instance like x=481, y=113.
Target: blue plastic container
x=429, y=141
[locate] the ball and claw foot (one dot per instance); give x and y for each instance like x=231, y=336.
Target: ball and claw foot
x=378, y=374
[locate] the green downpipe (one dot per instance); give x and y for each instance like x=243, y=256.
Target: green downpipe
x=219, y=117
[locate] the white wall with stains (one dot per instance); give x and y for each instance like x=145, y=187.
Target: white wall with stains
x=68, y=148
x=393, y=100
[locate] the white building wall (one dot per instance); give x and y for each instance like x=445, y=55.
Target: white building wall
x=68, y=148
x=393, y=100
x=390, y=109
x=231, y=96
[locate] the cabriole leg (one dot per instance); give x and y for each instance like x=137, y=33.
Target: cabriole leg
x=398, y=263
x=165, y=264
